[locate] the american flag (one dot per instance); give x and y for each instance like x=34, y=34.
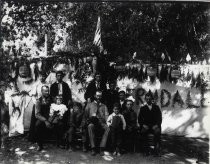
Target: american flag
x=97, y=39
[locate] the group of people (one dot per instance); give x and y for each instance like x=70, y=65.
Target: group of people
x=107, y=113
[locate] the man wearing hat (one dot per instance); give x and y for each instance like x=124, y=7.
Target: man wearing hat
x=61, y=88
x=150, y=119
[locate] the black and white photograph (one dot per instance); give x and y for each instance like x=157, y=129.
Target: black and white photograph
x=106, y=82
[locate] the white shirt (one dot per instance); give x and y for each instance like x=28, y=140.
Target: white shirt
x=60, y=108
x=149, y=106
x=121, y=102
x=60, y=88
x=110, y=118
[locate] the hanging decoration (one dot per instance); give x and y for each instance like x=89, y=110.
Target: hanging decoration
x=188, y=58
x=175, y=72
x=177, y=99
x=162, y=99
x=189, y=100
x=156, y=96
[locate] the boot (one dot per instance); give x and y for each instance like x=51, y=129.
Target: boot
x=40, y=147
x=84, y=149
x=101, y=151
x=93, y=152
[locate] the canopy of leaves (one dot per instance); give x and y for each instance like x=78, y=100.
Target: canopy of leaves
x=146, y=28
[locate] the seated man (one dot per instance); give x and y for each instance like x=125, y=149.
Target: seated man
x=150, y=119
x=75, y=116
x=42, y=114
x=131, y=125
x=96, y=114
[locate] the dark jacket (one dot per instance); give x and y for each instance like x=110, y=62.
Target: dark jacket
x=42, y=108
x=122, y=107
x=91, y=90
x=130, y=119
x=66, y=92
x=150, y=117
x=111, y=97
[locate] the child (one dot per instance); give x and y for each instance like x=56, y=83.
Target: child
x=117, y=124
x=74, y=123
x=57, y=110
x=56, y=118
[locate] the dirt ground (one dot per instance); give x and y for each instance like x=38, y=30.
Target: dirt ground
x=176, y=150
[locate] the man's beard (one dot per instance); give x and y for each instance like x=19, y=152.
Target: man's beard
x=98, y=100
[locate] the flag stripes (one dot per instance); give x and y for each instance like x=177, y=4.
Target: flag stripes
x=97, y=39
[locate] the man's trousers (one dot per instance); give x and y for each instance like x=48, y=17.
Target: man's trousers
x=92, y=129
x=42, y=132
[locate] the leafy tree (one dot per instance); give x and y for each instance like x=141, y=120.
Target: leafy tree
x=146, y=28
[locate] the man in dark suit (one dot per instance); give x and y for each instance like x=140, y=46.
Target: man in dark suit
x=150, y=119
x=96, y=84
x=111, y=96
x=122, y=100
x=61, y=88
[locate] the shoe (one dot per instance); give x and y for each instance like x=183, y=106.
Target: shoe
x=115, y=153
x=147, y=153
x=93, y=152
x=157, y=153
x=40, y=148
x=118, y=154
x=71, y=149
x=101, y=151
x=84, y=149
x=61, y=146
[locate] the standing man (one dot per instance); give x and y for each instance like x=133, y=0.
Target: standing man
x=150, y=119
x=96, y=84
x=61, y=88
x=111, y=96
x=122, y=100
x=95, y=117
x=42, y=125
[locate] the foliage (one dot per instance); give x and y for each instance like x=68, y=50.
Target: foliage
x=149, y=29
x=145, y=28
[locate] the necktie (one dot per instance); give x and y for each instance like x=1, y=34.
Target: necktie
x=97, y=111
